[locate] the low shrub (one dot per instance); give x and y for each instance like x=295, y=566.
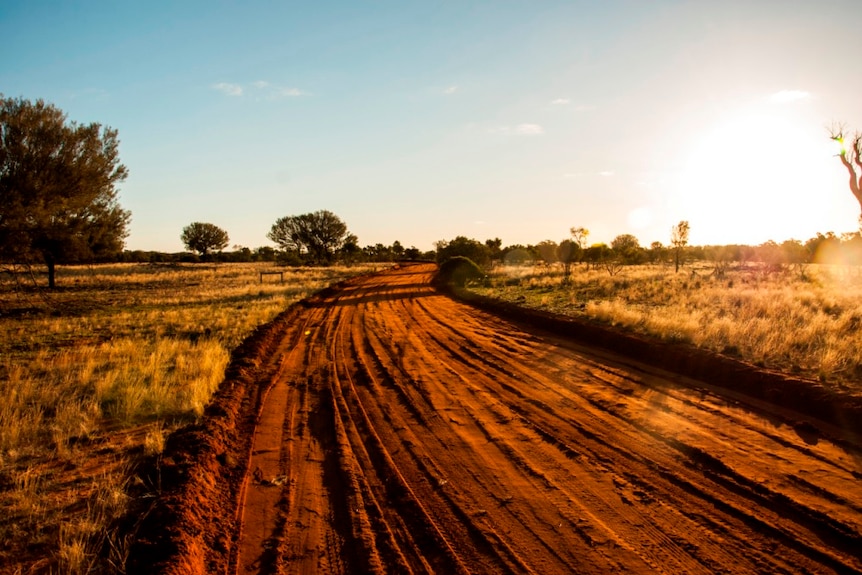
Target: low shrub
x=458, y=271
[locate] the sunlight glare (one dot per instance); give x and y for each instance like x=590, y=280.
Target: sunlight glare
x=754, y=176
x=640, y=218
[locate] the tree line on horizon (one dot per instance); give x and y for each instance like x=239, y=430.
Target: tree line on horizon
x=59, y=205
x=624, y=249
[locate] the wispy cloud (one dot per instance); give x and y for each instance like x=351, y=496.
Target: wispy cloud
x=606, y=173
x=291, y=92
x=228, y=89
x=789, y=96
x=520, y=130
x=560, y=102
x=261, y=89
x=450, y=90
x=529, y=129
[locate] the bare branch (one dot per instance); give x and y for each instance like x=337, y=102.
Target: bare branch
x=836, y=132
x=857, y=149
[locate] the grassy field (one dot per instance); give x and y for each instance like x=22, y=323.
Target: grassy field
x=805, y=321
x=95, y=374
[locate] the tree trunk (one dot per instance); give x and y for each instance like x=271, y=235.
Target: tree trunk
x=51, y=270
x=855, y=180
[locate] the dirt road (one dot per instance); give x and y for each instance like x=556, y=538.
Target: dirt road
x=404, y=432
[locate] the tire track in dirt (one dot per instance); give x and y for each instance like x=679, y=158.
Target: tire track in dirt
x=404, y=432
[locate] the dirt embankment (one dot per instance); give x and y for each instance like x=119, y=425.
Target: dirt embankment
x=383, y=427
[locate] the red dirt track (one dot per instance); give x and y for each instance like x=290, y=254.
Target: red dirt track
x=384, y=427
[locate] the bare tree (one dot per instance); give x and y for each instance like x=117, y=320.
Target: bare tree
x=579, y=235
x=679, y=239
x=853, y=163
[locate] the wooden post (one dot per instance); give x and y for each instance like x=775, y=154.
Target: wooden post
x=279, y=274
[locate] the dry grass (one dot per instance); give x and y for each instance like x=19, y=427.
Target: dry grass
x=94, y=375
x=802, y=323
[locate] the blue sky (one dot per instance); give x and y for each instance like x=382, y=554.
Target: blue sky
x=420, y=121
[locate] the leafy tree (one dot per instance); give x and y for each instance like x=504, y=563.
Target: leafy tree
x=568, y=253
x=679, y=239
x=656, y=252
x=627, y=248
x=458, y=271
x=350, y=250
x=852, y=160
x=324, y=234
x=495, y=250
x=412, y=253
x=58, y=187
x=518, y=254
x=547, y=251
x=463, y=246
x=287, y=233
x=265, y=254
x=596, y=254
x=378, y=253
x=319, y=234
x=204, y=238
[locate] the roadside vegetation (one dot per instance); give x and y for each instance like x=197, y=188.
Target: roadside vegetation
x=95, y=373
x=804, y=320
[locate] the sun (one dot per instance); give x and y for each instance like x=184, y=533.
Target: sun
x=753, y=175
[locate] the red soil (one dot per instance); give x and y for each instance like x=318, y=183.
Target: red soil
x=384, y=427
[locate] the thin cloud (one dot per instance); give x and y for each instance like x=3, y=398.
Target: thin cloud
x=529, y=129
x=450, y=90
x=785, y=96
x=228, y=89
x=520, y=130
x=606, y=173
x=291, y=92
x=560, y=102
x=261, y=89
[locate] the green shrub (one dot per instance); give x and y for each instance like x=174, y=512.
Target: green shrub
x=458, y=271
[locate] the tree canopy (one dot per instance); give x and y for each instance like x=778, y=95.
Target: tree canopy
x=463, y=246
x=58, y=187
x=204, y=238
x=627, y=248
x=319, y=235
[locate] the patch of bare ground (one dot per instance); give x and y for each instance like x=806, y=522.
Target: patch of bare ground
x=384, y=427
